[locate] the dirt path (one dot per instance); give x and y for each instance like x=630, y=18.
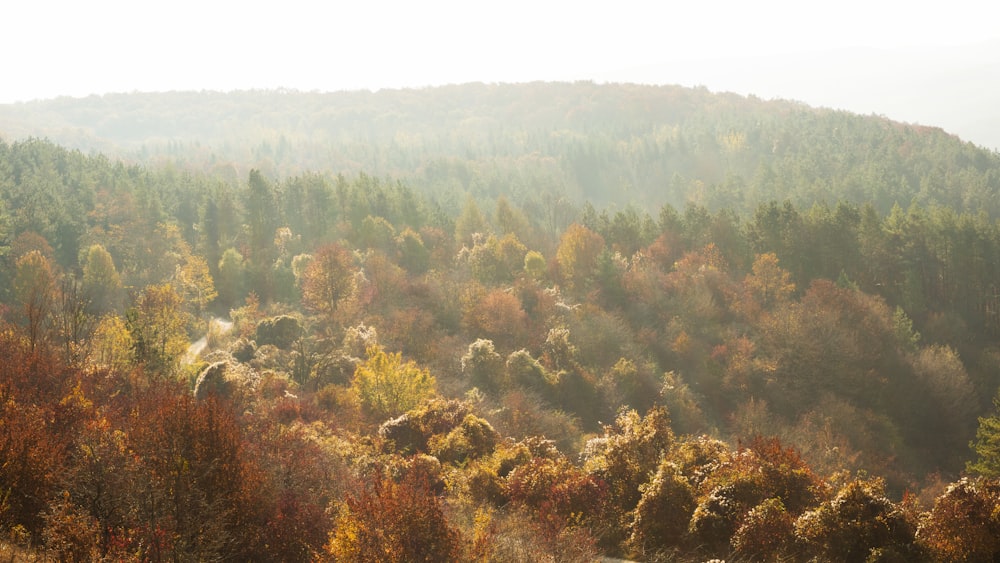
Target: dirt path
x=199, y=345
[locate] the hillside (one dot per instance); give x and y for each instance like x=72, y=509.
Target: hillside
x=608, y=144
x=467, y=346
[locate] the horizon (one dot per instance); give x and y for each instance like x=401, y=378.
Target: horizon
x=772, y=50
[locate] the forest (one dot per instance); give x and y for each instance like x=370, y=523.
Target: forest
x=551, y=322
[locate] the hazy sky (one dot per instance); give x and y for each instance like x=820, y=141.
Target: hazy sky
x=77, y=48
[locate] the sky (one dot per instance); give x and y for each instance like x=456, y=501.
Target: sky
x=70, y=48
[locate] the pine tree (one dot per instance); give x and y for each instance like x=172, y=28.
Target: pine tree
x=987, y=444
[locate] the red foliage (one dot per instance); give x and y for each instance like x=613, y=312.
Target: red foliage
x=560, y=493
x=393, y=522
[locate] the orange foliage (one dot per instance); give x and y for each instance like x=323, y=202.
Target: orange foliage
x=393, y=522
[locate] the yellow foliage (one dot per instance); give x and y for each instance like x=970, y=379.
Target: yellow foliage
x=388, y=387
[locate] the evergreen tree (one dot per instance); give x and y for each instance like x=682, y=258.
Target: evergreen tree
x=987, y=444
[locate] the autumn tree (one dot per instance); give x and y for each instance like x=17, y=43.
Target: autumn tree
x=579, y=249
x=963, y=524
x=499, y=316
x=858, y=524
x=111, y=346
x=559, y=493
x=194, y=283
x=158, y=325
x=193, y=480
x=73, y=323
x=328, y=280
x=35, y=289
x=661, y=517
x=629, y=451
x=768, y=282
x=388, y=387
x=393, y=522
x=101, y=282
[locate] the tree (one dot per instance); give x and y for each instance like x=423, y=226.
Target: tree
x=498, y=316
x=483, y=365
x=73, y=323
x=194, y=483
x=626, y=455
x=534, y=264
x=768, y=282
x=394, y=523
x=413, y=255
x=388, y=387
x=328, y=280
x=470, y=222
x=376, y=233
x=987, y=444
x=158, y=325
x=34, y=289
x=262, y=217
x=195, y=283
x=111, y=346
x=231, y=278
x=662, y=515
x=859, y=524
x=579, y=249
x=101, y=282
x=964, y=524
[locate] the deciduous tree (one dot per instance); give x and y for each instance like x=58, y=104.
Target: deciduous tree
x=388, y=387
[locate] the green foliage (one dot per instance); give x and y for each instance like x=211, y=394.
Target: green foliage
x=101, y=282
x=534, y=264
x=725, y=312
x=473, y=438
x=483, y=365
x=470, y=222
x=34, y=291
x=158, y=326
x=626, y=455
x=987, y=444
x=281, y=331
x=231, y=279
x=661, y=517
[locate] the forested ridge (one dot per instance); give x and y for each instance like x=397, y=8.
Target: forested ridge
x=607, y=144
x=669, y=325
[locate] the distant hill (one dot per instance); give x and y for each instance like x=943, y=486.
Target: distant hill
x=952, y=87
x=610, y=144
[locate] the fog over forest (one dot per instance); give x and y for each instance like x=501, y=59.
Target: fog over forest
x=401, y=282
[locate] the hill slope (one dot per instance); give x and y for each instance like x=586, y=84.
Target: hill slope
x=609, y=144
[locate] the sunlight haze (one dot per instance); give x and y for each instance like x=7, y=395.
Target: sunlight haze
x=79, y=49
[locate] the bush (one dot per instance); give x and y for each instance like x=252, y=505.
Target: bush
x=281, y=331
x=858, y=523
x=393, y=522
x=660, y=520
x=473, y=438
x=964, y=524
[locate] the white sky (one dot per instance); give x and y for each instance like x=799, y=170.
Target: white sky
x=77, y=48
